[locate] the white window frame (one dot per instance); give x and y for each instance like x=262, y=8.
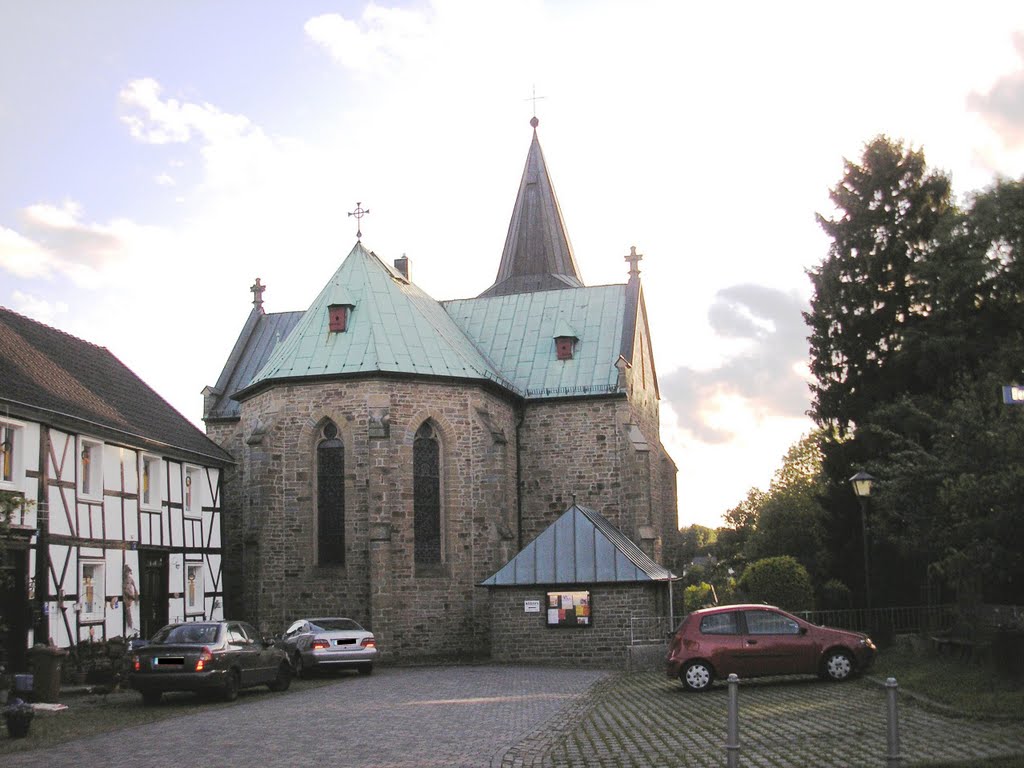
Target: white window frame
x=94, y=481
x=94, y=609
x=156, y=481
x=12, y=454
x=195, y=595
x=192, y=492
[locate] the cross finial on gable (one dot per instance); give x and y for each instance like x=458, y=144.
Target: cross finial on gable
x=634, y=261
x=257, y=294
x=359, y=212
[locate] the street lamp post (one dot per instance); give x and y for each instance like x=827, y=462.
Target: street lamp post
x=861, y=483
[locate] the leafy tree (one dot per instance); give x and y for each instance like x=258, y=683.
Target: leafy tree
x=780, y=581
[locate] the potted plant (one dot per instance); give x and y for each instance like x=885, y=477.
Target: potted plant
x=18, y=714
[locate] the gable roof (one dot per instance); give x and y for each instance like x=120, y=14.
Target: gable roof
x=580, y=547
x=52, y=377
x=518, y=331
x=394, y=327
x=537, y=255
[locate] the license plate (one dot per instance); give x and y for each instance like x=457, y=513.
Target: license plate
x=176, y=661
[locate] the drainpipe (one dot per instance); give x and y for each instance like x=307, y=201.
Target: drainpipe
x=519, y=480
x=41, y=628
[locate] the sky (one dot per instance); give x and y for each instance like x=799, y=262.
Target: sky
x=156, y=157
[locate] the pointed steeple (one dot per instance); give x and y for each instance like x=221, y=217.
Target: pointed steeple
x=538, y=255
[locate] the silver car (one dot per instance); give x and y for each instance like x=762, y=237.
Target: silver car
x=329, y=643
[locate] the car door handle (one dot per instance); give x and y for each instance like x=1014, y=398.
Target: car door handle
x=751, y=642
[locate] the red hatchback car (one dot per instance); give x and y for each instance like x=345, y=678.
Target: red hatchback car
x=759, y=640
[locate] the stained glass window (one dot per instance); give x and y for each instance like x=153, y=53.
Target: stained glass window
x=330, y=496
x=426, y=472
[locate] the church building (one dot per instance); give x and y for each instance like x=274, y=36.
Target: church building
x=394, y=451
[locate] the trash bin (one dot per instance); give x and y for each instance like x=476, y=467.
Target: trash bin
x=46, y=661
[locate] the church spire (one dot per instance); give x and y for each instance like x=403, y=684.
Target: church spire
x=538, y=255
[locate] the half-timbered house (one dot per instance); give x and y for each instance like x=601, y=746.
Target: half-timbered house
x=120, y=526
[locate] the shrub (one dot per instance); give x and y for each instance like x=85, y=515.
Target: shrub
x=835, y=594
x=780, y=581
x=698, y=596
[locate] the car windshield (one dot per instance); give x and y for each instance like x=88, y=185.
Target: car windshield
x=185, y=634
x=335, y=624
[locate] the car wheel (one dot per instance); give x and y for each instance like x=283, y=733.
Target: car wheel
x=283, y=679
x=838, y=666
x=366, y=669
x=151, y=698
x=298, y=665
x=697, y=676
x=232, y=682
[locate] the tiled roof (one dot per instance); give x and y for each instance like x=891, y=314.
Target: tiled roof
x=518, y=333
x=394, y=327
x=538, y=255
x=52, y=377
x=580, y=547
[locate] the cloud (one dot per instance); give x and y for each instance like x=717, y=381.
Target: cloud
x=44, y=311
x=23, y=257
x=1003, y=106
x=380, y=39
x=763, y=379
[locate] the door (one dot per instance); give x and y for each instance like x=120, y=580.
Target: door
x=15, y=609
x=777, y=645
x=152, y=592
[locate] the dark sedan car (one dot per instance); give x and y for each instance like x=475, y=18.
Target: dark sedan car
x=207, y=657
x=758, y=640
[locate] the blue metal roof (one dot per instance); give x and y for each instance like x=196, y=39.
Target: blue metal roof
x=580, y=547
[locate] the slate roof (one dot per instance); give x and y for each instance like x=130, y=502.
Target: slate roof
x=580, y=547
x=537, y=255
x=518, y=333
x=260, y=335
x=52, y=377
x=394, y=327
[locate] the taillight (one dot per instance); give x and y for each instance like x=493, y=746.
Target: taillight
x=368, y=642
x=136, y=664
x=205, y=657
x=319, y=645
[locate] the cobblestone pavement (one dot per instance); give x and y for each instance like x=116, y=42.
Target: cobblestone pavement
x=647, y=720
x=534, y=717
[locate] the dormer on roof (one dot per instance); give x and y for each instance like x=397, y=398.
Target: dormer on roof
x=565, y=340
x=339, y=310
x=538, y=255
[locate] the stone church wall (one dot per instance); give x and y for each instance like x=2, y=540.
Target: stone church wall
x=431, y=612
x=518, y=636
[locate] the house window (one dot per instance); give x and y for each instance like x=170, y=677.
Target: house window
x=150, y=482
x=330, y=496
x=90, y=469
x=10, y=453
x=91, y=593
x=565, y=346
x=426, y=480
x=195, y=593
x=193, y=496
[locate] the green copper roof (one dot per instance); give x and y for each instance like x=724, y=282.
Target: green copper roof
x=393, y=327
x=518, y=333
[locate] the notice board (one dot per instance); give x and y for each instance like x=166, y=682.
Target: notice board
x=569, y=609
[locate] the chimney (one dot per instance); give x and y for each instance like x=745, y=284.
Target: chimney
x=402, y=265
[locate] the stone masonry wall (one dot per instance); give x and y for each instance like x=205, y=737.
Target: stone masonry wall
x=517, y=636
x=435, y=612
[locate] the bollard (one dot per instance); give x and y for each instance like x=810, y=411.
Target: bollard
x=893, y=730
x=732, y=740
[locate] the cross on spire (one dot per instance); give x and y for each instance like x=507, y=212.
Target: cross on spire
x=533, y=120
x=257, y=294
x=634, y=261
x=359, y=212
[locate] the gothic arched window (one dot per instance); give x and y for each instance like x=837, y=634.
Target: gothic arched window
x=330, y=496
x=426, y=490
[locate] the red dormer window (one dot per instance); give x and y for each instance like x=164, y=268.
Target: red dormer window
x=337, y=315
x=564, y=347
